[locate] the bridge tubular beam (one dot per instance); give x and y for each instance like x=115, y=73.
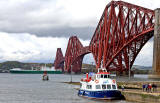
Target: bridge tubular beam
x=121, y=33
x=74, y=55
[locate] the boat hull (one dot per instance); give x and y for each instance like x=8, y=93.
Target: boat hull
x=34, y=72
x=108, y=94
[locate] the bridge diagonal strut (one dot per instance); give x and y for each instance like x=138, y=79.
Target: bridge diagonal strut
x=59, y=60
x=121, y=33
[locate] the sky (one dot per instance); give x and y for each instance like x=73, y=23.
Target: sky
x=32, y=30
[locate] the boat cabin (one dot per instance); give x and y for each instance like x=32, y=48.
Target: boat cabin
x=99, y=81
x=99, y=86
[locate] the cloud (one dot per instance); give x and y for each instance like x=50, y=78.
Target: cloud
x=30, y=48
x=45, y=18
x=57, y=18
x=27, y=47
x=82, y=32
x=32, y=30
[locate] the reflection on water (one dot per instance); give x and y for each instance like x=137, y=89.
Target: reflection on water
x=29, y=88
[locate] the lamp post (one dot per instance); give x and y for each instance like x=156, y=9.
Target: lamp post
x=71, y=74
x=129, y=74
x=92, y=66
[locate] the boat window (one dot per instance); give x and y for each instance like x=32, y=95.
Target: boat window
x=98, y=76
x=101, y=75
x=103, y=86
x=114, y=86
x=98, y=87
x=89, y=86
x=108, y=86
x=105, y=76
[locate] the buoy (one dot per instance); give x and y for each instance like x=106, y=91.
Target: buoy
x=96, y=81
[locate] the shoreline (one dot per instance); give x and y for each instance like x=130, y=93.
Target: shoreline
x=133, y=91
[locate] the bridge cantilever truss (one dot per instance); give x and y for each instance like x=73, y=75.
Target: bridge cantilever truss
x=74, y=54
x=59, y=61
x=121, y=33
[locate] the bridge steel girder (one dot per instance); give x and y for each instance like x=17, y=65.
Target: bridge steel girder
x=59, y=60
x=121, y=33
x=74, y=55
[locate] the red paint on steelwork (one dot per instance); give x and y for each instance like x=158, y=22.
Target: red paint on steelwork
x=121, y=33
x=74, y=55
x=59, y=60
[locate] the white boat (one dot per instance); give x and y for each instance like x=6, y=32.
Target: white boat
x=99, y=86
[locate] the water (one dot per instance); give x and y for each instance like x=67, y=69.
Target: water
x=29, y=88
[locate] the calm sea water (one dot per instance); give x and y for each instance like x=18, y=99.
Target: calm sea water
x=29, y=88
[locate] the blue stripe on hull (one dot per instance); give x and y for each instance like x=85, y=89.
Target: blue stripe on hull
x=111, y=94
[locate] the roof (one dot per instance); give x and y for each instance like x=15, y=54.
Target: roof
x=103, y=73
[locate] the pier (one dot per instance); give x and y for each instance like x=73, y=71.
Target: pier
x=156, y=49
x=142, y=97
x=133, y=91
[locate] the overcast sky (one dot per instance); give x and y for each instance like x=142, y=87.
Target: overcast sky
x=32, y=30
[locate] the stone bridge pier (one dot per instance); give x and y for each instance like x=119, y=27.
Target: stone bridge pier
x=156, y=47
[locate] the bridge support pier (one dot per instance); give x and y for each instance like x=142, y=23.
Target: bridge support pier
x=156, y=47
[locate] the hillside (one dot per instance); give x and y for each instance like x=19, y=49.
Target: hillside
x=136, y=69
x=5, y=66
x=142, y=67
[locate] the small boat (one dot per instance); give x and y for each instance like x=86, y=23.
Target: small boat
x=99, y=86
x=45, y=76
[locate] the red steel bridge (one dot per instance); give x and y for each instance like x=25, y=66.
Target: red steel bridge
x=121, y=33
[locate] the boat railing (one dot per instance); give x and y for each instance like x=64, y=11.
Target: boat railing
x=102, y=70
